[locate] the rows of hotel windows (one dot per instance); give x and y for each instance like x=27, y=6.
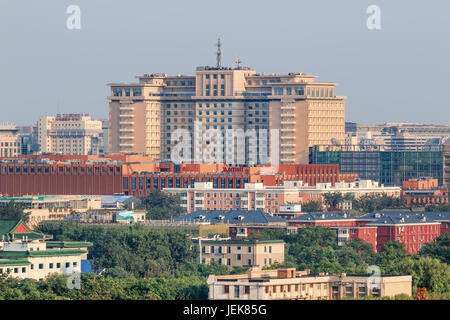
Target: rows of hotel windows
x=61, y=170
x=300, y=91
x=215, y=86
x=119, y=92
x=40, y=266
x=177, y=182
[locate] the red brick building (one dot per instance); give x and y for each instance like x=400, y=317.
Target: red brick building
x=410, y=228
x=347, y=227
x=138, y=175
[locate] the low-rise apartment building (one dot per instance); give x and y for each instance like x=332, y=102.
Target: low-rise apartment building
x=289, y=284
x=257, y=196
x=242, y=253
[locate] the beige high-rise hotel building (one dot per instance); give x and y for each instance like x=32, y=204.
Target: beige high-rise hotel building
x=143, y=115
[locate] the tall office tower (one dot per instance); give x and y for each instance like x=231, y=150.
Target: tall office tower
x=72, y=134
x=10, y=145
x=231, y=102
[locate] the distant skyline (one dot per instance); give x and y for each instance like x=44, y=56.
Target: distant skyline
x=400, y=73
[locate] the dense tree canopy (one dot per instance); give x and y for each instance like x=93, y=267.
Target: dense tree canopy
x=161, y=206
x=146, y=263
x=440, y=248
x=13, y=211
x=312, y=206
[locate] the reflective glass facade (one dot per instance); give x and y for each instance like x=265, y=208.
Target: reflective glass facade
x=387, y=167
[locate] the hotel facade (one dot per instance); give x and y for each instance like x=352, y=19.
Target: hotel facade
x=217, y=105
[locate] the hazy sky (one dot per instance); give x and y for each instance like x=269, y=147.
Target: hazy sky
x=398, y=73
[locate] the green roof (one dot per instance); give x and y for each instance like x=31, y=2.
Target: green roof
x=11, y=254
x=20, y=254
x=68, y=244
x=32, y=235
x=7, y=226
x=63, y=252
x=13, y=262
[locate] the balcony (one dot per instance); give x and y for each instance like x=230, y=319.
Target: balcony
x=126, y=108
x=126, y=130
x=288, y=115
x=126, y=144
x=288, y=130
x=287, y=122
x=287, y=108
x=126, y=122
x=287, y=137
x=126, y=115
x=287, y=152
x=287, y=159
x=126, y=138
x=289, y=145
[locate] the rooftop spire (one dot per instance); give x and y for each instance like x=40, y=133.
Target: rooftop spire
x=219, y=54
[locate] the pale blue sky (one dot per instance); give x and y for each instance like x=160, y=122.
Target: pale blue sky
x=399, y=73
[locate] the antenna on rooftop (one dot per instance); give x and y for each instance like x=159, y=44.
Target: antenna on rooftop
x=219, y=54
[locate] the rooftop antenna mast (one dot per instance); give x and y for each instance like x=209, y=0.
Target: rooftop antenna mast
x=219, y=54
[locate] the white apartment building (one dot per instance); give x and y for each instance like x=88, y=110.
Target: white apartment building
x=70, y=134
x=27, y=254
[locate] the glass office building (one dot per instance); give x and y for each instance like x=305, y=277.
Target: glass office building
x=387, y=167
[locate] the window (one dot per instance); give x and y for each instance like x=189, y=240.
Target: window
x=226, y=289
x=247, y=290
x=50, y=265
x=239, y=256
x=67, y=264
x=236, y=291
x=41, y=266
x=278, y=91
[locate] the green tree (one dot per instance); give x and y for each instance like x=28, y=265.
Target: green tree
x=333, y=199
x=312, y=206
x=439, y=248
x=392, y=253
x=13, y=211
x=427, y=273
x=161, y=205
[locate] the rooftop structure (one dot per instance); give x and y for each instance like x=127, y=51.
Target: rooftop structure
x=230, y=217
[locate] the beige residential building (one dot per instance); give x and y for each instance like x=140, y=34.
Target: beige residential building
x=10, y=145
x=242, y=253
x=231, y=103
x=289, y=284
x=70, y=134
